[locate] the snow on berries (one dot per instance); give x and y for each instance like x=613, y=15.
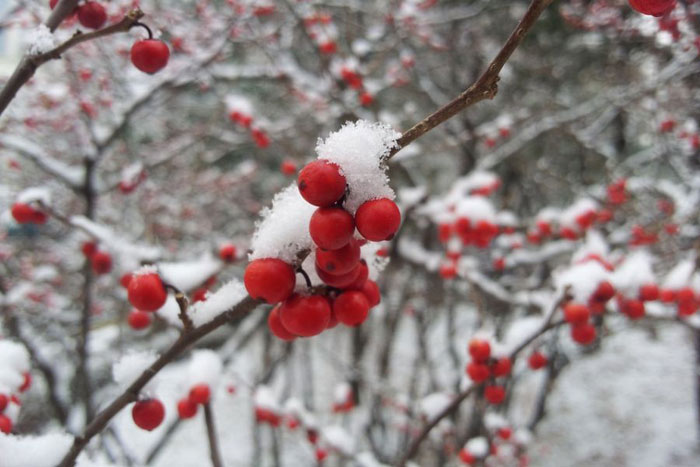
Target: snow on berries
x=313, y=223
x=653, y=7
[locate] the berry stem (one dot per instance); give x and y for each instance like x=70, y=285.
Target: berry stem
x=138, y=23
x=306, y=276
x=183, y=303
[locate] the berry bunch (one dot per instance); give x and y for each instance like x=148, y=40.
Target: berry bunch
x=484, y=367
x=199, y=394
x=100, y=261
x=349, y=294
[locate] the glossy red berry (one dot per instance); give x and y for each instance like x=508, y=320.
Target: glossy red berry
x=92, y=15
x=275, y=325
x=101, y=262
x=186, y=408
x=371, y=291
x=583, y=334
x=138, y=319
x=331, y=228
x=339, y=281
x=478, y=372
x=604, y=292
x=576, y=313
x=5, y=424
x=340, y=261
x=227, y=252
x=25, y=214
x=305, y=315
x=501, y=367
x=146, y=292
x=649, y=292
x=361, y=278
x=351, y=308
x=378, y=219
x=495, y=394
x=537, y=360
x=150, y=55
x=653, y=7
x=148, y=414
x=321, y=183
x=200, y=394
x=480, y=350
x=269, y=279
x=667, y=295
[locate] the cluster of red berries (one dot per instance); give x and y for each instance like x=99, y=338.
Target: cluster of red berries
x=338, y=263
x=653, y=7
x=100, y=261
x=199, y=395
x=578, y=315
x=5, y=401
x=148, y=414
x=318, y=29
x=354, y=80
x=267, y=416
x=480, y=234
x=148, y=55
x=617, y=193
x=260, y=137
x=25, y=214
x=491, y=140
x=483, y=367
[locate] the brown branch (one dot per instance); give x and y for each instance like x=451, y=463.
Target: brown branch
x=183, y=303
x=211, y=434
x=233, y=316
x=485, y=87
x=30, y=63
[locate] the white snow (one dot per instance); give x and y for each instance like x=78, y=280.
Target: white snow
x=634, y=272
x=582, y=279
x=35, y=194
x=130, y=366
x=187, y=275
x=127, y=252
x=679, y=276
x=216, y=303
x=14, y=362
x=205, y=367
x=42, y=40
x=45, y=450
x=338, y=438
x=478, y=447
x=265, y=398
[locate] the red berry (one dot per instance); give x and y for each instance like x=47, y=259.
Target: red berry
x=340, y=261
x=275, y=325
x=331, y=228
x=351, y=307
x=495, y=394
x=227, y=252
x=575, y=313
x=504, y=433
x=583, y=334
x=186, y=408
x=288, y=167
x=686, y=294
x=361, y=278
x=340, y=281
x=366, y=99
x=649, y=292
x=321, y=183
x=138, y=319
x=305, y=315
x=5, y=424
x=26, y=382
x=478, y=372
x=634, y=309
x=480, y=350
x=687, y=308
x=448, y=271
x=150, y=55
x=604, y=292
x=88, y=249
x=653, y=7
x=501, y=367
x=101, y=262
x=148, y=414
x=466, y=457
x=537, y=360
x=371, y=291
x=3, y=402
x=269, y=279
x=92, y=15
x=378, y=219
x=146, y=292
x=200, y=393
x=667, y=295
x=125, y=280
x=25, y=214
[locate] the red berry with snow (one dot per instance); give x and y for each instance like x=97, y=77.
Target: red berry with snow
x=138, y=319
x=321, y=183
x=200, y=394
x=25, y=214
x=146, y=292
x=480, y=350
x=331, y=228
x=148, y=414
x=150, y=55
x=378, y=219
x=351, y=307
x=92, y=15
x=340, y=261
x=186, y=408
x=305, y=315
x=495, y=394
x=269, y=279
x=276, y=327
x=466, y=457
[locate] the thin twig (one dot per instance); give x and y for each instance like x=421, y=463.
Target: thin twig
x=211, y=434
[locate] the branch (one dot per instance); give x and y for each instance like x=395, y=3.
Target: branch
x=233, y=316
x=30, y=63
x=211, y=434
x=485, y=87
